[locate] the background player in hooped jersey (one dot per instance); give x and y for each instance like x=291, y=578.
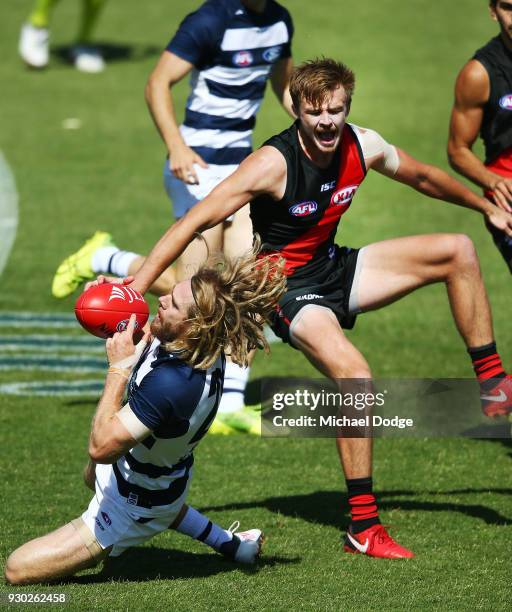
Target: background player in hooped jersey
x=299, y=184
x=230, y=48
x=144, y=449
x=483, y=104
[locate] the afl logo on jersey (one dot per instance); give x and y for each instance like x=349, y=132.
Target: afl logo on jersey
x=344, y=196
x=303, y=209
x=243, y=58
x=272, y=54
x=506, y=102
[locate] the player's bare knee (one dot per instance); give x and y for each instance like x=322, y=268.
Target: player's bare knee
x=13, y=571
x=465, y=252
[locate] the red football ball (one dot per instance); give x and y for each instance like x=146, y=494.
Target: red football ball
x=105, y=309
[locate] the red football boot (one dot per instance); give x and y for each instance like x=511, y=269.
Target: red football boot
x=497, y=401
x=375, y=542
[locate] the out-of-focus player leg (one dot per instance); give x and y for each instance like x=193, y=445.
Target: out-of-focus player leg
x=62, y=552
x=85, y=55
x=99, y=255
x=34, y=36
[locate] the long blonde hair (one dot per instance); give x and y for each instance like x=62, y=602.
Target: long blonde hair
x=233, y=300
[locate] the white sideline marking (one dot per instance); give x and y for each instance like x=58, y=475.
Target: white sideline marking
x=52, y=388
x=38, y=319
x=8, y=211
x=47, y=343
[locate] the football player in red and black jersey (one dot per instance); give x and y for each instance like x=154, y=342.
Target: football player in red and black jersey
x=483, y=105
x=299, y=184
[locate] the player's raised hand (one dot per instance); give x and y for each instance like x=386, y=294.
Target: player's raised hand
x=122, y=350
x=101, y=279
x=502, y=193
x=181, y=163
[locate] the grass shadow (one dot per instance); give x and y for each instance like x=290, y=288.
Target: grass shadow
x=112, y=52
x=331, y=508
x=150, y=563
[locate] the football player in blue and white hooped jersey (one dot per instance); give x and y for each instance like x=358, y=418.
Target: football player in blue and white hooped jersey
x=230, y=48
x=141, y=449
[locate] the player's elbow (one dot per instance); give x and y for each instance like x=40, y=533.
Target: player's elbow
x=155, y=86
x=454, y=153
x=149, y=90
x=102, y=453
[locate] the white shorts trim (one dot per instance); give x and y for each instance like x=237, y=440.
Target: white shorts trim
x=183, y=196
x=353, y=300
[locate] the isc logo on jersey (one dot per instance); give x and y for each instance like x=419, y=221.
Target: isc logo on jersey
x=243, y=58
x=344, y=196
x=303, y=209
x=506, y=102
x=272, y=54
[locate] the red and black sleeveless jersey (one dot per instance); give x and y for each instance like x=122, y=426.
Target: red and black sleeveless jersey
x=496, y=129
x=301, y=227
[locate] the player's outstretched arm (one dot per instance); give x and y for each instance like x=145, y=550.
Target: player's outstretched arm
x=264, y=171
x=472, y=90
x=169, y=70
x=436, y=183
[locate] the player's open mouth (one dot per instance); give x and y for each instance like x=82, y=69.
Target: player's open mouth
x=327, y=138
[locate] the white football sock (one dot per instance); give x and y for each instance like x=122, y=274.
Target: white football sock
x=235, y=381
x=101, y=258
x=111, y=260
x=120, y=262
x=199, y=527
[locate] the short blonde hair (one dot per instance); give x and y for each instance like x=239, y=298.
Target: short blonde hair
x=314, y=79
x=233, y=300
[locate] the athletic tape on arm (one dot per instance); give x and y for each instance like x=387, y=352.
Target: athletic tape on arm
x=135, y=426
x=373, y=145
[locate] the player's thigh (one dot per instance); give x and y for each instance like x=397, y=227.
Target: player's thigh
x=59, y=553
x=317, y=333
x=389, y=270
x=238, y=233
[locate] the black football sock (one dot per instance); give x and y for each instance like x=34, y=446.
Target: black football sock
x=363, y=505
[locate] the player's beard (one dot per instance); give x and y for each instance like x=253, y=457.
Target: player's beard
x=165, y=332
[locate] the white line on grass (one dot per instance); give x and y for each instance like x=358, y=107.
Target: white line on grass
x=51, y=388
x=8, y=211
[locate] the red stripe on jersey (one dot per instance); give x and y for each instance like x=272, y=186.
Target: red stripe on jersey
x=351, y=174
x=502, y=165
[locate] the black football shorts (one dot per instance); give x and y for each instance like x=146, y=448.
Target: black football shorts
x=333, y=292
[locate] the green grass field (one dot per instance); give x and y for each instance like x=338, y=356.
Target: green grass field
x=449, y=500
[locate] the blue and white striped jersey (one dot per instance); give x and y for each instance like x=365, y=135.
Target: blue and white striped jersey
x=178, y=404
x=233, y=50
